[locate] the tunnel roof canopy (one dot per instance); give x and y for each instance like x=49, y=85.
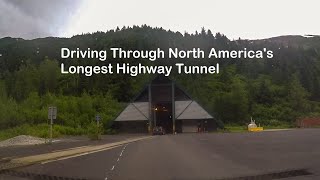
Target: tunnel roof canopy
x=185, y=107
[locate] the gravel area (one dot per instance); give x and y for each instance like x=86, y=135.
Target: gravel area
x=22, y=140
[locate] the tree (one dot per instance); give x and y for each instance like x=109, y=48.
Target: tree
x=3, y=91
x=297, y=98
x=49, y=75
x=233, y=106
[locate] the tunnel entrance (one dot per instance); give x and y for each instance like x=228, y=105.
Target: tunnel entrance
x=163, y=116
x=163, y=103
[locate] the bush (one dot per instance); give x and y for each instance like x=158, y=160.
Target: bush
x=65, y=130
x=94, y=131
x=74, y=114
x=274, y=122
x=41, y=130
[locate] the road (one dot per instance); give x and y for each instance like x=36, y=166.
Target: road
x=62, y=143
x=195, y=156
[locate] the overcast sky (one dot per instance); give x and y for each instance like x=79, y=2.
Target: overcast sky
x=248, y=19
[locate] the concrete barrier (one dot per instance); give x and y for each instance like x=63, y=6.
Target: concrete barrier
x=255, y=129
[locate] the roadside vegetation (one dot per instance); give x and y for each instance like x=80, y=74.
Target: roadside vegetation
x=40, y=130
x=94, y=131
x=265, y=125
x=75, y=115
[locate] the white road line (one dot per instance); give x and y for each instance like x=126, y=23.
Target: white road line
x=118, y=159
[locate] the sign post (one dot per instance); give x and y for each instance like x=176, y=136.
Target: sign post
x=98, y=118
x=52, y=114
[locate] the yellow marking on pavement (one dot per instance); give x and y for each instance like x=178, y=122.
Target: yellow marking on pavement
x=29, y=160
x=79, y=155
x=69, y=148
x=7, y=158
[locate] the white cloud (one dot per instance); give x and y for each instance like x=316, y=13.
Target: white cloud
x=250, y=19
x=246, y=19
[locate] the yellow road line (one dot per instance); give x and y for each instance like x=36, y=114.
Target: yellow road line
x=69, y=149
x=78, y=155
x=29, y=160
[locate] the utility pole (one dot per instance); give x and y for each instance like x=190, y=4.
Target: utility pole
x=150, y=109
x=155, y=115
x=173, y=108
x=51, y=128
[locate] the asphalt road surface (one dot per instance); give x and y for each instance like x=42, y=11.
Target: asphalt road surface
x=62, y=143
x=268, y=155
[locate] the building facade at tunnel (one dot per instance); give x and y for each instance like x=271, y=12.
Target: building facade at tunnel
x=163, y=103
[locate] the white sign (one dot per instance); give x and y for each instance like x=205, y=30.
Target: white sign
x=98, y=117
x=52, y=113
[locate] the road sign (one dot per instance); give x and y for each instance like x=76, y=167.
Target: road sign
x=98, y=118
x=52, y=113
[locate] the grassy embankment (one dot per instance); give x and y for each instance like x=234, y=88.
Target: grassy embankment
x=41, y=130
x=244, y=128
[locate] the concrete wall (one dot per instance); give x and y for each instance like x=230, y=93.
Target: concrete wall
x=131, y=126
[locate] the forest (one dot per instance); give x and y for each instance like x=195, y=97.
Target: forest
x=273, y=91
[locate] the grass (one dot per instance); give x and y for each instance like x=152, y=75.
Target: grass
x=41, y=130
x=232, y=128
x=284, y=126
x=236, y=128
